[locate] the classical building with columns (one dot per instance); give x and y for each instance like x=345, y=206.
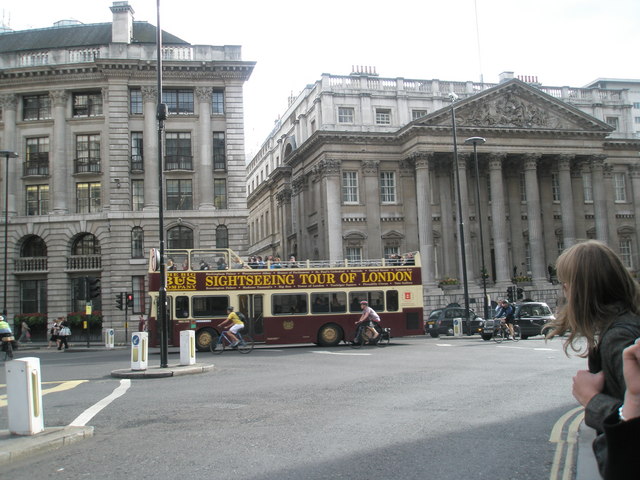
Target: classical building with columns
x=364, y=167
x=78, y=105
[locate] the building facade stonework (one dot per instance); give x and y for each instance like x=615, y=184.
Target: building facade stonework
x=549, y=175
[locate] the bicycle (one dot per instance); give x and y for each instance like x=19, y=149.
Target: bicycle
x=362, y=336
x=502, y=331
x=223, y=341
x=7, y=346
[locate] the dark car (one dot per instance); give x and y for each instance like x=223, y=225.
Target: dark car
x=440, y=321
x=530, y=316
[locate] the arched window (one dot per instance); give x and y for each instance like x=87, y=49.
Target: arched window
x=86, y=244
x=137, y=242
x=180, y=237
x=34, y=247
x=222, y=236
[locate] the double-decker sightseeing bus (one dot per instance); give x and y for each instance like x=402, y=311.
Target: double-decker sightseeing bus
x=298, y=302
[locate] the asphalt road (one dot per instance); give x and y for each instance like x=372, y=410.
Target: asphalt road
x=421, y=408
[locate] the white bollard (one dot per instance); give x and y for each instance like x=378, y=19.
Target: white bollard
x=109, y=335
x=187, y=347
x=457, y=327
x=24, y=396
x=139, y=350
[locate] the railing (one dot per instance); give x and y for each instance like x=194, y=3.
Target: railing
x=177, y=53
x=178, y=162
x=83, y=165
x=84, y=262
x=33, y=59
x=83, y=55
x=137, y=163
x=37, y=164
x=31, y=264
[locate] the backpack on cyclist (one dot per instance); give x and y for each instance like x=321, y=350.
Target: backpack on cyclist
x=243, y=319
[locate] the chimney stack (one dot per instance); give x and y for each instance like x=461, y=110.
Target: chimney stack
x=122, y=26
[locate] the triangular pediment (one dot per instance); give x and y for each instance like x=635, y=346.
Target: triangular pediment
x=516, y=105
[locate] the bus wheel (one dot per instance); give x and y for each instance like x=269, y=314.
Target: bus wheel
x=204, y=339
x=330, y=335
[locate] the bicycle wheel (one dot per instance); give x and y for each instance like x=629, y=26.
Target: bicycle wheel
x=246, y=344
x=498, y=335
x=217, y=344
x=8, y=352
x=384, y=338
x=516, y=333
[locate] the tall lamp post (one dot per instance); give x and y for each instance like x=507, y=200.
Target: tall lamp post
x=475, y=141
x=463, y=255
x=7, y=154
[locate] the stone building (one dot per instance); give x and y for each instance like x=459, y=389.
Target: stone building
x=78, y=105
x=364, y=167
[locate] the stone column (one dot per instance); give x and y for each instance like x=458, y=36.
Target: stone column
x=330, y=170
x=372, y=206
x=9, y=117
x=463, y=159
x=59, y=163
x=536, y=240
x=425, y=218
x=566, y=200
x=634, y=172
x=599, y=197
x=152, y=163
x=499, y=220
x=205, y=147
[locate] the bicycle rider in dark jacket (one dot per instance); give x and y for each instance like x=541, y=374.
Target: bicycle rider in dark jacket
x=507, y=312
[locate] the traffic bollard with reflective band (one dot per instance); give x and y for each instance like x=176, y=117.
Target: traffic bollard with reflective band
x=24, y=396
x=187, y=347
x=109, y=337
x=457, y=327
x=139, y=350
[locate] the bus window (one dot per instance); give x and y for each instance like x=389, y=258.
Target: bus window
x=289, y=303
x=338, y=302
x=375, y=299
x=210, y=306
x=182, y=307
x=392, y=301
x=319, y=303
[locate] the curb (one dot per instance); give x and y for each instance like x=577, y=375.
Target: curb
x=13, y=447
x=159, y=372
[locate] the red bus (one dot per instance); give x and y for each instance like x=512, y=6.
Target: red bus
x=300, y=302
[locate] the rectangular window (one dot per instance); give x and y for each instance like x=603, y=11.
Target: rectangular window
x=210, y=306
x=135, y=101
x=636, y=105
x=383, y=116
x=37, y=156
x=345, y=114
x=217, y=101
x=219, y=151
x=391, y=252
x=88, y=197
x=619, y=180
x=179, y=195
x=587, y=187
x=36, y=107
x=178, y=101
x=137, y=152
x=87, y=154
x=37, y=199
x=350, y=187
x=613, y=121
x=416, y=114
x=388, y=187
x=137, y=195
x=353, y=254
x=329, y=302
x=626, y=253
x=87, y=104
x=555, y=187
x=178, y=151
x=636, y=119
x=374, y=297
x=220, y=193
x=523, y=187
x=289, y=303
x=33, y=296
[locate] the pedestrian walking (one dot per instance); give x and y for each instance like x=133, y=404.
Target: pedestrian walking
x=53, y=334
x=25, y=333
x=63, y=334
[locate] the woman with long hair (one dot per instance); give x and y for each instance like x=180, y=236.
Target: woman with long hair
x=601, y=315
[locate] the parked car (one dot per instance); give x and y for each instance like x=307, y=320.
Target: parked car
x=530, y=316
x=440, y=321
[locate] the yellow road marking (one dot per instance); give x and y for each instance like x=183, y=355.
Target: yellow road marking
x=569, y=441
x=60, y=387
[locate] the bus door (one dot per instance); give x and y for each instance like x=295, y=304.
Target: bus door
x=252, y=307
x=178, y=307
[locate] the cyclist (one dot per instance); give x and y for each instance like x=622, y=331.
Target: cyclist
x=368, y=321
x=506, y=315
x=4, y=326
x=235, y=326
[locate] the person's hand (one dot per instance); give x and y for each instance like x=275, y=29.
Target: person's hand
x=587, y=385
x=631, y=369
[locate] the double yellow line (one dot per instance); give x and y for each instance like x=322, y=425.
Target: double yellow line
x=565, y=435
x=60, y=386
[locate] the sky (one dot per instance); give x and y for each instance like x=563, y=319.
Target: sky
x=561, y=42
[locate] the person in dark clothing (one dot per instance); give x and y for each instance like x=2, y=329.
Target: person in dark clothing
x=602, y=308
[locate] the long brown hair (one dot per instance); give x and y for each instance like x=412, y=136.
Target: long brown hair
x=597, y=288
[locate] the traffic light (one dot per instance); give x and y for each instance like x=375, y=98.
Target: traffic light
x=520, y=293
x=129, y=300
x=119, y=298
x=80, y=288
x=511, y=293
x=93, y=287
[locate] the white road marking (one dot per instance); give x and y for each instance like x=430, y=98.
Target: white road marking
x=443, y=345
x=92, y=411
x=339, y=353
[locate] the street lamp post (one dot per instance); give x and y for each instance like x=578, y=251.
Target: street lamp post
x=475, y=141
x=463, y=255
x=7, y=154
